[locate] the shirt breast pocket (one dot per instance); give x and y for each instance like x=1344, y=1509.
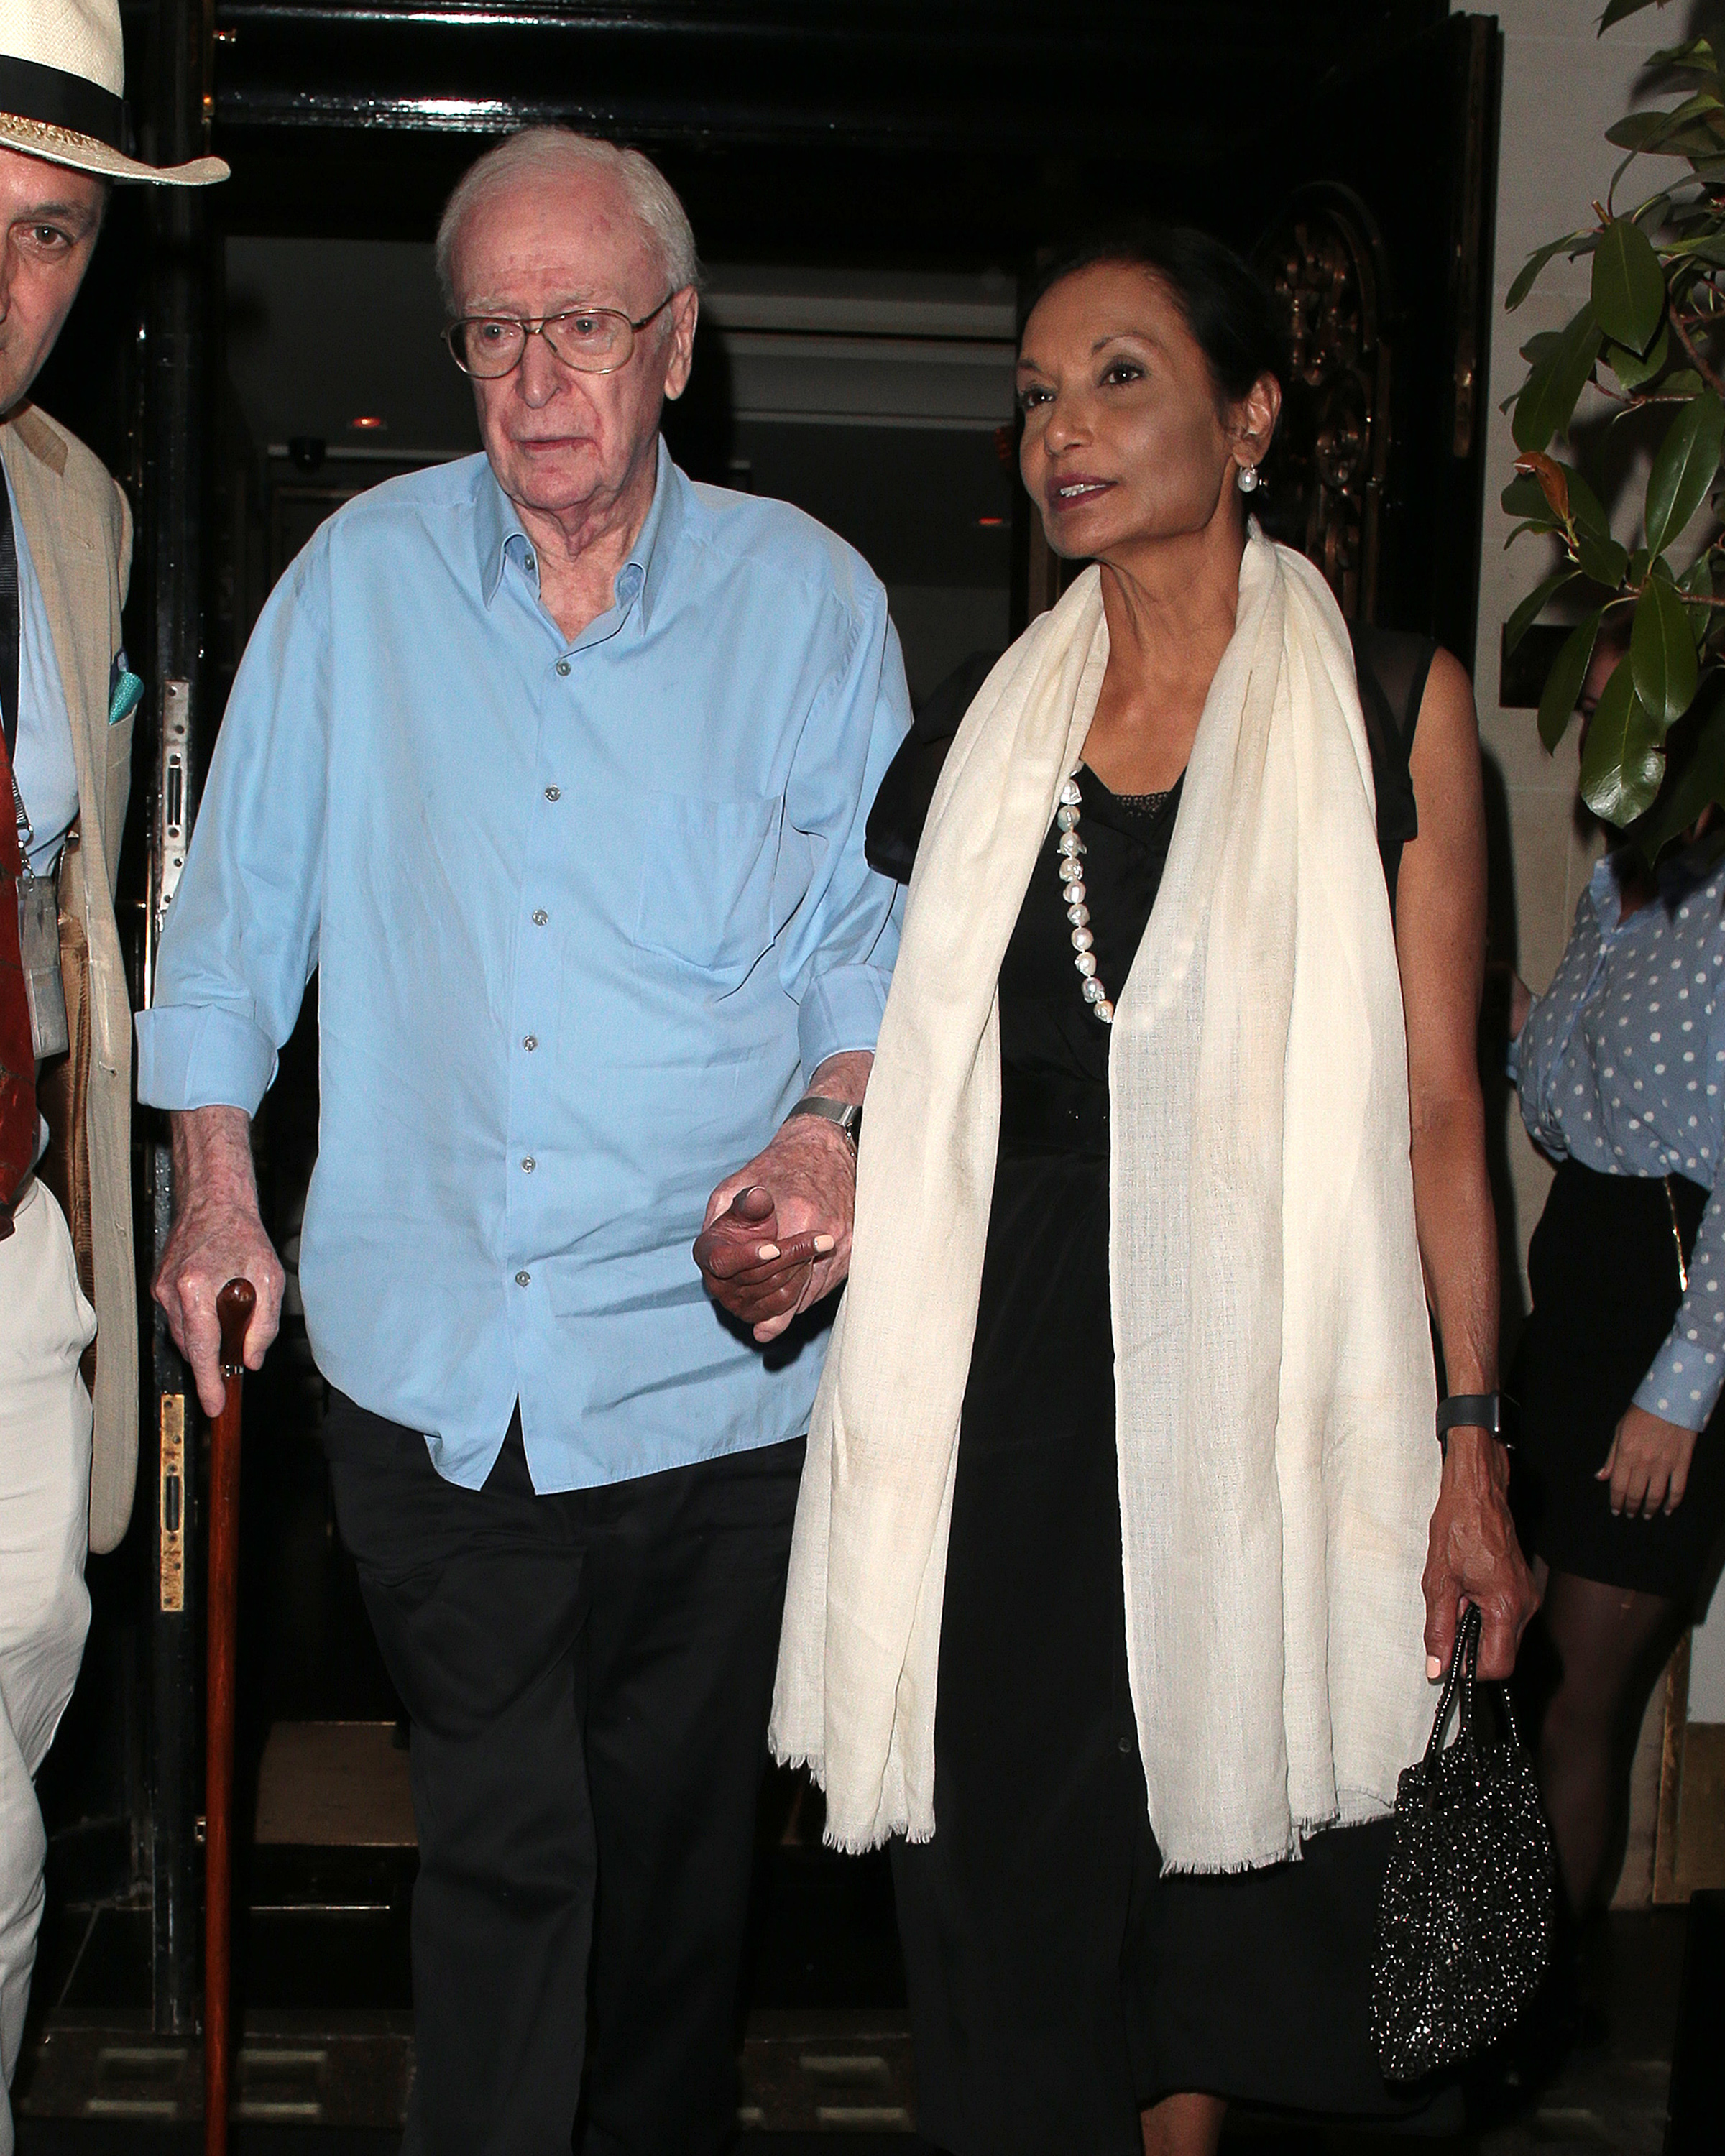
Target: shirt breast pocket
x=706, y=881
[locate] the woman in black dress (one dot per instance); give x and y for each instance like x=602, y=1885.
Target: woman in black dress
x=1061, y=1982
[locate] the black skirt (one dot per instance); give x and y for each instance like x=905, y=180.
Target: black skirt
x=1603, y=1269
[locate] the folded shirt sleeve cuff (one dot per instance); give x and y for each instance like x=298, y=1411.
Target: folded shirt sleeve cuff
x=1682, y=1387
x=840, y=1014
x=199, y=1056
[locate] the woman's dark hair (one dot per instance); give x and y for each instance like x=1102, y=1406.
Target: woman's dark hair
x=1225, y=305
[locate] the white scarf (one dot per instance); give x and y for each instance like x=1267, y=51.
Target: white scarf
x=1273, y=1366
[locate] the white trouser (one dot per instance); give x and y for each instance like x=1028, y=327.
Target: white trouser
x=45, y=1326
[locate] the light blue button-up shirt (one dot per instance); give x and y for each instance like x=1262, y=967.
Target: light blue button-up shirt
x=1622, y=1064
x=42, y=762
x=585, y=918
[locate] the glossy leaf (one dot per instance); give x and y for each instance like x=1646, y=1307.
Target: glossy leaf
x=1624, y=762
x=1685, y=383
x=1605, y=561
x=1527, y=274
x=1684, y=469
x=1628, y=286
x=1563, y=685
x=1617, y=10
x=1539, y=344
x=1548, y=397
x=1635, y=370
x=1657, y=135
x=1531, y=608
x=1663, y=654
x=1551, y=478
x=1585, y=505
x=1524, y=497
x=1652, y=214
x=1701, y=781
x=1695, y=54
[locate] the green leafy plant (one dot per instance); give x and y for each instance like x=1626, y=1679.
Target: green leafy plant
x=1651, y=338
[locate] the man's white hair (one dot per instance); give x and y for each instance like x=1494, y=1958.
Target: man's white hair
x=541, y=152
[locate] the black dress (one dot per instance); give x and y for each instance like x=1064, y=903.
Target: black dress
x=1057, y=1982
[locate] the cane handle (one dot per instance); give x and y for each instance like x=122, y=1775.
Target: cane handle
x=235, y=1306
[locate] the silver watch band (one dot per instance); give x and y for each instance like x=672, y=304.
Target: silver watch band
x=846, y=1114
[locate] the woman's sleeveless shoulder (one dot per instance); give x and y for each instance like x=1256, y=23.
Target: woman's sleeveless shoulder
x=1391, y=666
x=894, y=830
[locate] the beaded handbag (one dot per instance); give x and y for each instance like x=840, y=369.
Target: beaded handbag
x=1464, y=1919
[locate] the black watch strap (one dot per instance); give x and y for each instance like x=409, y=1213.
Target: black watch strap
x=1473, y=1411
x=848, y=1115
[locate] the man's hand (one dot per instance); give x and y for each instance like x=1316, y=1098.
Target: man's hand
x=1648, y=1464
x=777, y=1235
x=217, y=1236
x=1473, y=1556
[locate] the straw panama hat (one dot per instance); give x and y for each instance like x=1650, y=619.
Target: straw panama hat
x=62, y=76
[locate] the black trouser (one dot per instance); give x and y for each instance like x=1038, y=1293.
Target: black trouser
x=588, y=1677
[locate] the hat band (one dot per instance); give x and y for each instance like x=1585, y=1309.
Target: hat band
x=59, y=99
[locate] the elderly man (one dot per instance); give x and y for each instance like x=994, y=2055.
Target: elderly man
x=554, y=767
x=67, y=701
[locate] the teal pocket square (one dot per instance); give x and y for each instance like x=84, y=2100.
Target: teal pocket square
x=123, y=697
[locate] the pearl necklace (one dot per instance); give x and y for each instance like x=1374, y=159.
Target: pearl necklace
x=1072, y=850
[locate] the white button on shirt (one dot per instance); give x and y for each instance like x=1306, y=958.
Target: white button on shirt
x=1621, y=1066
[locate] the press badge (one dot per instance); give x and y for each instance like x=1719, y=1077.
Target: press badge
x=38, y=935
x=38, y=942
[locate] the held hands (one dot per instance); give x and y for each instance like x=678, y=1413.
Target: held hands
x=217, y=1236
x=777, y=1235
x=1648, y=1464
x=1473, y=1556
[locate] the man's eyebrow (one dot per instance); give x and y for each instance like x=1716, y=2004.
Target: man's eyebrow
x=39, y=212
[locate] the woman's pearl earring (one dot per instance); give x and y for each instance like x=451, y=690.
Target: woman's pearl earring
x=1250, y=481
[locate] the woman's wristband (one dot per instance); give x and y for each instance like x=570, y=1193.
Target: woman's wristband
x=1483, y=1411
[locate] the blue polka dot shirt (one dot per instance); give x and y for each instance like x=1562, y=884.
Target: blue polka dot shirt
x=1621, y=1066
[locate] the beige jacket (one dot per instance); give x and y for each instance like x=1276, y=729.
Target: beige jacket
x=79, y=532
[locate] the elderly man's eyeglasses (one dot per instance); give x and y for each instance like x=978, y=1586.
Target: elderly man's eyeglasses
x=592, y=340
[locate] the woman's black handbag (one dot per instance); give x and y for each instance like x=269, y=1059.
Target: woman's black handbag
x=1465, y=1921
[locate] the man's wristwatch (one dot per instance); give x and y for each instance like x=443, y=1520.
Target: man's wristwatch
x=846, y=1114
x=1474, y=1411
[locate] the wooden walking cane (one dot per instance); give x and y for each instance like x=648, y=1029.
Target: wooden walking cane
x=233, y=1310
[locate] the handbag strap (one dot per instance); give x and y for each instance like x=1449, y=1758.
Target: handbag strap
x=1464, y=1667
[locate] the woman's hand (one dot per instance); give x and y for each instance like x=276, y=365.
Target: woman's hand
x=1473, y=1556
x=749, y=1261
x=1648, y=1464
